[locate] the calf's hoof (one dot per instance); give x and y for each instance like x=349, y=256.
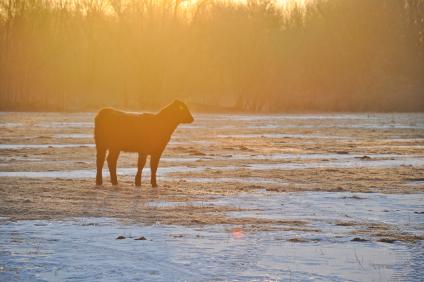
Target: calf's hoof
x=154, y=185
x=137, y=181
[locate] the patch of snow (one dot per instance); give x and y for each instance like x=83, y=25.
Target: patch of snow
x=74, y=136
x=38, y=146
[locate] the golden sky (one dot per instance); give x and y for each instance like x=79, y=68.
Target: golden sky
x=282, y=2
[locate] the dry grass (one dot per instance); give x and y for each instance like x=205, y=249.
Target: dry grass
x=182, y=202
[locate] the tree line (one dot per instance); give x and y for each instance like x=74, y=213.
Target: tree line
x=255, y=56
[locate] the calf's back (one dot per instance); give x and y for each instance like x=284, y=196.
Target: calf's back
x=128, y=131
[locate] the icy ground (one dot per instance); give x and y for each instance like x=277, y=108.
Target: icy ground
x=87, y=249
x=249, y=162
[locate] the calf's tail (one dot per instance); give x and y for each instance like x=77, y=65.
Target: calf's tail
x=99, y=121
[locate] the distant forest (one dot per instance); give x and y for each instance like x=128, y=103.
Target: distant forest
x=253, y=56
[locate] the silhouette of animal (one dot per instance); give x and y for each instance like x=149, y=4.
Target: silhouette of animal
x=146, y=134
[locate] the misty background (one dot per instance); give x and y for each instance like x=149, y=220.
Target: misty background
x=255, y=56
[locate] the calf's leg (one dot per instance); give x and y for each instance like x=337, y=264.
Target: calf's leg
x=112, y=159
x=154, y=162
x=100, y=159
x=140, y=166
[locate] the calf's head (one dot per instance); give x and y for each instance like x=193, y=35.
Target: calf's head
x=179, y=112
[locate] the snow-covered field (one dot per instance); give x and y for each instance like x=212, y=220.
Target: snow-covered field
x=332, y=197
